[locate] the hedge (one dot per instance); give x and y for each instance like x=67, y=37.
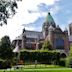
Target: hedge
x=46, y=57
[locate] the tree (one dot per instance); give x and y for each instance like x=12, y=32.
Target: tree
x=69, y=58
x=7, y=10
x=46, y=45
x=5, y=48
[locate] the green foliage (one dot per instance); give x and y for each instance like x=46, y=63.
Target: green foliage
x=40, y=70
x=5, y=48
x=47, y=57
x=67, y=61
x=5, y=64
x=7, y=10
x=41, y=66
x=62, y=62
x=70, y=52
x=46, y=45
x=69, y=58
x=40, y=45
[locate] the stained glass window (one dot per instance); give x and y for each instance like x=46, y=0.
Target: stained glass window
x=59, y=43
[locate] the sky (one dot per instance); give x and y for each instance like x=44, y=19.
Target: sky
x=32, y=13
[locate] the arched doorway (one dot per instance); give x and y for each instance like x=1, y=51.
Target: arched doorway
x=63, y=55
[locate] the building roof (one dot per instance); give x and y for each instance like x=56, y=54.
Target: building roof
x=31, y=34
x=50, y=20
x=34, y=34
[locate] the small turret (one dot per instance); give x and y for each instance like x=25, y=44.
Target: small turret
x=24, y=38
x=58, y=29
x=66, y=31
x=24, y=33
x=24, y=30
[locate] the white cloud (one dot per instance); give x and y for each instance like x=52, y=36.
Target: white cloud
x=29, y=4
x=24, y=16
x=14, y=28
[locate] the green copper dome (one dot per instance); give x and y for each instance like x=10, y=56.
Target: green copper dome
x=50, y=20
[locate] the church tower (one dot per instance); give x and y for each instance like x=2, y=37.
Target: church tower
x=48, y=21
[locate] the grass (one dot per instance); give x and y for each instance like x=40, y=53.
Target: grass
x=46, y=70
x=39, y=68
x=39, y=50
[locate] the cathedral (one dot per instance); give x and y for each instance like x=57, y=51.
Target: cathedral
x=58, y=39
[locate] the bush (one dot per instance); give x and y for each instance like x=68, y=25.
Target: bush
x=47, y=45
x=62, y=62
x=5, y=64
x=69, y=62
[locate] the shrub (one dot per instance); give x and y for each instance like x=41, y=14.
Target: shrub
x=47, y=45
x=62, y=62
x=5, y=64
x=69, y=62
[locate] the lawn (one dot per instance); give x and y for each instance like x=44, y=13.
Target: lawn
x=39, y=68
x=47, y=70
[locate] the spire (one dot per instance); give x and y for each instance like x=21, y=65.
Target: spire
x=66, y=31
x=24, y=38
x=24, y=30
x=58, y=27
x=50, y=20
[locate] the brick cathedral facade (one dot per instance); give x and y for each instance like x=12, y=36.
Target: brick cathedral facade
x=50, y=31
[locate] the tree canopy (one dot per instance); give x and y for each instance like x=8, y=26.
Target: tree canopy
x=5, y=48
x=7, y=10
x=46, y=45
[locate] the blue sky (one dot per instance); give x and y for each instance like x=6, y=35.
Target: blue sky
x=32, y=13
